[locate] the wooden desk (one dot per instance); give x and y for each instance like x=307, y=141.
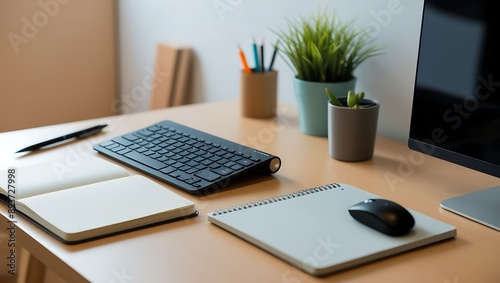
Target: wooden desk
x=197, y=251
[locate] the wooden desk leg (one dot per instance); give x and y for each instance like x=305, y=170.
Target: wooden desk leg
x=31, y=270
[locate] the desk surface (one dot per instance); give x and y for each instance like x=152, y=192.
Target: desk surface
x=197, y=251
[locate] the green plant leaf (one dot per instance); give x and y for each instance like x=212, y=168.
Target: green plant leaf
x=322, y=48
x=351, y=99
x=333, y=98
x=360, y=96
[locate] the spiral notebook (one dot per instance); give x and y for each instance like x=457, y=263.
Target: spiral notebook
x=313, y=230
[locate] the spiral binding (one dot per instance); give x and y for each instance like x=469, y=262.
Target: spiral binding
x=276, y=199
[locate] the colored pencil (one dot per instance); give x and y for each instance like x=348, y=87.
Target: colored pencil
x=246, y=69
x=256, y=57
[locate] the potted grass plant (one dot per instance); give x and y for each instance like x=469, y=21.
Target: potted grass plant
x=352, y=126
x=323, y=52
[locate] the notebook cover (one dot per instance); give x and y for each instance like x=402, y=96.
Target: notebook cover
x=105, y=208
x=313, y=230
x=108, y=234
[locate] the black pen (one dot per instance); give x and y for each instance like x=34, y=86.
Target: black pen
x=262, y=56
x=274, y=56
x=78, y=135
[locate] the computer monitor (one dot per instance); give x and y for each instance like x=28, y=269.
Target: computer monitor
x=456, y=101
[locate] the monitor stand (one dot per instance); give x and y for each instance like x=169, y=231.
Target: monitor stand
x=481, y=206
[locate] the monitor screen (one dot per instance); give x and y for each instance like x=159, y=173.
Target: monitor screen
x=456, y=103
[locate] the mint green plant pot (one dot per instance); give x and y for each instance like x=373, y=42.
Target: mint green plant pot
x=312, y=103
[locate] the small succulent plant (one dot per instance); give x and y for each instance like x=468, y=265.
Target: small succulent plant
x=353, y=99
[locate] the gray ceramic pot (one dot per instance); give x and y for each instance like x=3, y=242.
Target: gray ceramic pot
x=352, y=132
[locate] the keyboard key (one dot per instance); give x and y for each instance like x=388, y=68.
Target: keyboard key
x=215, y=158
x=229, y=164
x=107, y=144
x=190, y=156
x=131, y=137
x=199, y=152
x=222, y=161
x=118, y=148
x=149, y=145
x=187, y=178
x=200, y=166
x=154, y=128
x=168, y=170
x=207, y=175
x=162, y=139
x=145, y=133
x=207, y=155
x=222, y=171
x=155, y=156
x=162, y=159
x=235, y=158
x=226, y=155
x=184, y=153
x=214, y=165
x=198, y=159
x=150, y=162
x=236, y=167
x=155, y=149
x=191, y=171
x=134, y=146
x=206, y=162
x=175, y=136
x=177, y=165
x=245, y=162
x=184, y=168
x=169, y=154
x=111, y=145
x=124, y=151
x=176, y=157
x=170, y=162
x=213, y=150
x=162, y=132
x=123, y=141
x=175, y=174
x=192, y=163
x=163, y=151
x=206, y=147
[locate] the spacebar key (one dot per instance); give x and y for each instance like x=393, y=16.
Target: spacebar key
x=148, y=161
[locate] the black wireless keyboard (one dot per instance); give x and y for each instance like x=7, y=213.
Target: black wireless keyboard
x=187, y=158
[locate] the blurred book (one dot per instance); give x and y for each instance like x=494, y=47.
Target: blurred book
x=172, y=74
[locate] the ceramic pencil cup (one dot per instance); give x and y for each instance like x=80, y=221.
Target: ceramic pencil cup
x=258, y=92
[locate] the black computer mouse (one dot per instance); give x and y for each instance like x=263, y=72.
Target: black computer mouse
x=384, y=216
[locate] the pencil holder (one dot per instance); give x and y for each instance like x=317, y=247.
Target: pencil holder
x=258, y=94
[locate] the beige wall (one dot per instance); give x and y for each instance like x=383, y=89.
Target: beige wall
x=57, y=61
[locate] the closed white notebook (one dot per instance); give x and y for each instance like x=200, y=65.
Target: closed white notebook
x=313, y=230
x=104, y=208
